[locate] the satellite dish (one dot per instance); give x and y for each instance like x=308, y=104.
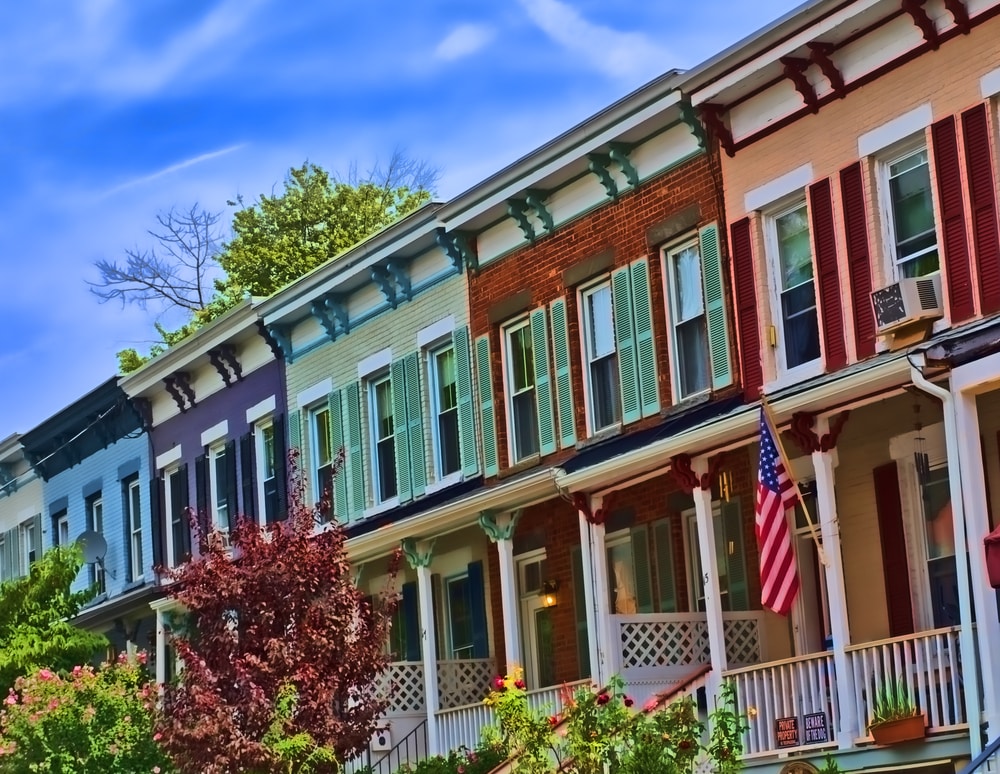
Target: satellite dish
x=94, y=546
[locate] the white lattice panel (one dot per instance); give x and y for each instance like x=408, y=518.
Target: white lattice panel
x=658, y=643
x=403, y=683
x=742, y=641
x=464, y=681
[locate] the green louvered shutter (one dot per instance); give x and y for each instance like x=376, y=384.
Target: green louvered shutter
x=414, y=418
x=340, y=507
x=715, y=308
x=621, y=298
x=663, y=545
x=355, y=450
x=564, y=381
x=295, y=434
x=645, y=346
x=640, y=561
x=543, y=383
x=466, y=411
x=10, y=555
x=732, y=530
x=401, y=430
x=580, y=612
x=487, y=411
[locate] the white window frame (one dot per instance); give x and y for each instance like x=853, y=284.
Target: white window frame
x=884, y=161
x=261, y=461
x=810, y=368
x=26, y=535
x=371, y=385
x=314, y=413
x=218, y=502
x=133, y=509
x=62, y=529
x=667, y=253
x=583, y=296
x=449, y=633
x=95, y=517
x=506, y=331
x=433, y=386
x=170, y=550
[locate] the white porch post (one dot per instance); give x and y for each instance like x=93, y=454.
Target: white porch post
x=161, y=648
x=603, y=659
x=709, y=562
x=419, y=557
x=500, y=530
x=589, y=593
x=824, y=463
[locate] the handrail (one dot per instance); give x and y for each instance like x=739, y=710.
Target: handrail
x=985, y=755
x=376, y=768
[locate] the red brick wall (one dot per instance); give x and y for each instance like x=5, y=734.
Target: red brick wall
x=621, y=226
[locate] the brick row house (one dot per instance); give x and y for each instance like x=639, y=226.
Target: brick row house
x=547, y=392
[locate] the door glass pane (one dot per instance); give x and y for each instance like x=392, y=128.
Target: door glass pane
x=460, y=617
x=621, y=576
x=545, y=647
x=939, y=533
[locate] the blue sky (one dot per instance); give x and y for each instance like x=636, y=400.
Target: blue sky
x=112, y=111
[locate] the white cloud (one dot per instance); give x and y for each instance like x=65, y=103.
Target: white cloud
x=627, y=55
x=172, y=168
x=462, y=41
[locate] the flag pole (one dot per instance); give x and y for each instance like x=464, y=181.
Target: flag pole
x=769, y=418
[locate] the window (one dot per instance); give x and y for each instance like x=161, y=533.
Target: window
x=460, y=629
x=444, y=406
x=133, y=517
x=383, y=437
x=795, y=287
x=218, y=481
x=175, y=502
x=939, y=533
x=730, y=560
x=322, y=452
x=911, y=214
x=267, y=475
x=521, y=406
x=95, y=522
x=601, y=357
x=60, y=521
x=688, y=321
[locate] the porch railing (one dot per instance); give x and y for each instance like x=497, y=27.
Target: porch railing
x=464, y=681
x=927, y=663
x=403, y=682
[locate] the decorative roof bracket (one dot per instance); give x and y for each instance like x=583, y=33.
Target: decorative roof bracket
x=336, y=305
x=385, y=284
x=819, y=55
x=620, y=154
x=277, y=340
x=960, y=14
x=179, y=387
x=711, y=116
x=458, y=246
x=795, y=71
x=226, y=363
x=517, y=209
x=690, y=119
x=398, y=273
x=535, y=198
x=921, y=18
x=320, y=312
x=598, y=164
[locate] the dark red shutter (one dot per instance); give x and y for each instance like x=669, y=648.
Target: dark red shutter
x=752, y=372
x=894, y=565
x=852, y=190
x=955, y=262
x=828, y=282
x=979, y=166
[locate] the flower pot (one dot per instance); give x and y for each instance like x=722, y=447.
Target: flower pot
x=900, y=730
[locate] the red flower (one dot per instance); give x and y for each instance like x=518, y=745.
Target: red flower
x=519, y=684
x=553, y=720
x=498, y=684
x=628, y=701
x=603, y=698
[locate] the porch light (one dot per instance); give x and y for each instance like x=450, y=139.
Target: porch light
x=548, y=593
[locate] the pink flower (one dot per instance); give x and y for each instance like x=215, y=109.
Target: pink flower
x=141, y=656
x=45, y=674
x=498, y=683
x=157, y=736
x=77, y=671
x=53, y=704
x=650, y=705
x=156, y=770
x=11, y=698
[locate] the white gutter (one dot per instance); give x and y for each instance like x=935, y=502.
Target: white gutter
x=536, y=487
x=966, y=637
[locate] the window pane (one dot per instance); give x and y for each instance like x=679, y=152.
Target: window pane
x=913, y=215
x=460, y=618
x=267, y=442
x=323, y=454
x=521, y=368
x=689, y=301
x=604, y=391
x=794, y=251
x=692, y=362
x=383, y=409
x=600, y=322
x=446, y=395
x=801, y=325
x=690, y=330
x=525, y=425
x=622, y=579
x=447, y=388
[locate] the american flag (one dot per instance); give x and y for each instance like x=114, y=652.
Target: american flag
x=779, y=581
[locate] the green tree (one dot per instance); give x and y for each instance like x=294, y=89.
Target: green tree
x=35, y=631
x=279, y=238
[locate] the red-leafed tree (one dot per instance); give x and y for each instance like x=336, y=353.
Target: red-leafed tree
x=282, y=652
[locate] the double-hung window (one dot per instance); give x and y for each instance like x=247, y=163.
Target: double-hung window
x=521, y=402
x=688, y=320
x=444, y=405
x=218, y=486
x=133, y=520
x=322, y=452
x=175, y=503
x=95, y=522
x=61, y=520
x=603, y=399
x=383, y=431
x=911, y=214
x=792, y=266
x=267, y=475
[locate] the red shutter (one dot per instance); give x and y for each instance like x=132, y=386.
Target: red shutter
x=955, y=262
x=894, y=565
x=828, y=285
x=978, y=160
x=746, y=304
x=852, y=190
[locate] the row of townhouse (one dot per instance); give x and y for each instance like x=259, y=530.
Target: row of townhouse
x=547, y=391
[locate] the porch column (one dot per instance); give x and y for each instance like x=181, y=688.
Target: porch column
x=702, y=495
x=419, y=554
x=967, y=382
x=603, y=660
x=161, y=648
x=824, y=463
x=500, y=530
x=589, y=593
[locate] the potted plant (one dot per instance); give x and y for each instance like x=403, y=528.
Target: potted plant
x=895, y=717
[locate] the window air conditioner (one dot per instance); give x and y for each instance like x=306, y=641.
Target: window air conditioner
x=906, y=301
x=381, y=739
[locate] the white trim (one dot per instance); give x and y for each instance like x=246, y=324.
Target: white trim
x=312, y=394
x=215, y=433
x=375, y=362
x=778, y=188
x=435, y=331
x=976, y=377
x=989, y=84
x=895, y=130
x=168, y=457
x=261, y=410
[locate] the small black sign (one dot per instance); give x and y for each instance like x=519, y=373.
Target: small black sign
x=814, y=725
x=787, y=732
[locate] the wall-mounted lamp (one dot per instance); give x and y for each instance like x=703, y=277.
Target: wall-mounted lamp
x=548, y=593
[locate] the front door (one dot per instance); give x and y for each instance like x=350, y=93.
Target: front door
x=536, y=622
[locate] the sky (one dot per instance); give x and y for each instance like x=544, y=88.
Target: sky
x=113, y=112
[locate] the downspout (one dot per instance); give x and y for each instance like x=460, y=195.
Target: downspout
x=966, y=639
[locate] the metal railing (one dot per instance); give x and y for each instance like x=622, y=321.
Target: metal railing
x=987, y=760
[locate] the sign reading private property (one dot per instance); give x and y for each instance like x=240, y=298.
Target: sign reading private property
x=787, y=732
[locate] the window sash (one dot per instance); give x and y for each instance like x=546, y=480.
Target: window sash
x=461, y=638
x=689, y=329
x=267, y=469
x=217, y=489
x=134, y=504
x=603, y=398
x=521, y=390
x=95, y=517
x=911, y=210
x=322, y=451
x=383, y=434
x=175, y=509
x=444, y=392
x=796, y=285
